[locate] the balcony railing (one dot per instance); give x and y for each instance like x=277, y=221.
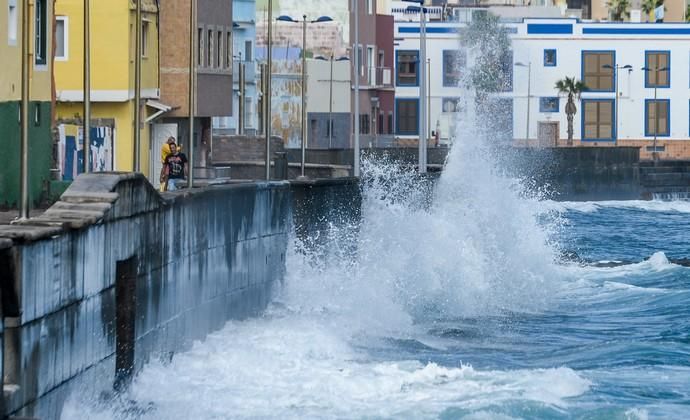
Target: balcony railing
x=379, y=76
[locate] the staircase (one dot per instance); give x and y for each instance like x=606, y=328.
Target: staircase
x=665, y=180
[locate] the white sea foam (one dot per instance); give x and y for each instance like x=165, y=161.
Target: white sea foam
x=293, y=367
x=679, y=206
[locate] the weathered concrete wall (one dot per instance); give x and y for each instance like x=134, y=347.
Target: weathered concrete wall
x=114, y=251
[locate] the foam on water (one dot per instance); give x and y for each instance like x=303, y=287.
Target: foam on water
x=678, y=206
x=290, y=366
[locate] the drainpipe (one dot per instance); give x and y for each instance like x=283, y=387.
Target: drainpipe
x=87, y=87
x=137, y=90
x=24, y=163
x=192, y=90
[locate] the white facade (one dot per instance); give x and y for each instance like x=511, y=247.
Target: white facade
x=571, y=39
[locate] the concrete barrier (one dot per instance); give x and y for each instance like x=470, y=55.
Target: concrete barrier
x=115, y=274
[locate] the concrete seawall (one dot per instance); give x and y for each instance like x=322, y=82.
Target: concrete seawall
x=115, y=274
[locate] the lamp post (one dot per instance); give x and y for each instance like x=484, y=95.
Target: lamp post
x=192, y=89
x=356, y=64
x=267, y=94
x=616, y=68
x=529, y=84
x=26, y=66
x=422, y=77
x=87, y=87
x=656, y=70
x=304, y=22
x=137, y=90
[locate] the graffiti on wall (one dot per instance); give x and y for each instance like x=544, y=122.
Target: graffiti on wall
x=71, y=150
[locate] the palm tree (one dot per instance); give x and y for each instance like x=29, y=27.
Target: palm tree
x=573, y=88
x=619, y=9
x=648, y=6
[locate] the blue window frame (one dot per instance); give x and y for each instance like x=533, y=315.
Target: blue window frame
x=550, y=58
x=657, y=60
x=598, y=120
x=454, y=62
x=407, y=116
x=549, y=104
x=657, y=116
x=407, y=68
x=597, y=77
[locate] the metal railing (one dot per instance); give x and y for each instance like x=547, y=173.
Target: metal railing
x=379, y=76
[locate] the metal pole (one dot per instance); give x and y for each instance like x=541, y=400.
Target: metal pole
x=87, y=87
x=330, y=108
x=529, y=86
x=24, y=163
x=615, y=143
x=192, y=90
x=137, y=90
x=269, y=51
x=304, y=95
x=422, y=93
x=242, y=110
x=428, y=105
x=656, y=114
x=355, y=52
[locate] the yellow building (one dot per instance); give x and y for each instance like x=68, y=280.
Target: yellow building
x=41, y=91
x=112, y=75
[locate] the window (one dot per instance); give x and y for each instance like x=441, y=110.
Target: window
x=549, y=104
x=61, y=40
x=248, y=53
x=453, y=62
x=41, y=32
x=595, y=75
x=145, y=38
x=407, y=66
x=371, y=74
x=598, y=119
x=654, y=62
x=360, y=57
x=364, y=124
x=451, y=105
x=380, y=127
x=407, y=111
x=12, y=22
x=507, y=72
x=550, y=58
x=200, y=49
x=228, y=50
x=37, y=115
x=657, y=117
x=209, y=48
x=219, y=49
x=390, y=122
x=370, y=7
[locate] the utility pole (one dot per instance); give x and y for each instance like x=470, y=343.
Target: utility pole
x=304, y=95
x=241, y=102
x=422, y=87
x=355, y=52
x=137, y=90
x=330, y=108
x=87, y=87
x=269, y=68
x=192, y=90
x=24, y=163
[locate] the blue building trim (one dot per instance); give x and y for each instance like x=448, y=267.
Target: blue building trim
x=635, y=31
x=397, y=117
x=614, y=134
x=582, y=69
x=649, y=72
x=555, y=57
x=648, y=133
x=397, y=68
x=549, y=28
x=544, y=103
x=429, y=30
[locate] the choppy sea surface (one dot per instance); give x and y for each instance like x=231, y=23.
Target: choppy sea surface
x=408, y=333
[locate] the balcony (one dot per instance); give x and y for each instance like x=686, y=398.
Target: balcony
x=379, y=77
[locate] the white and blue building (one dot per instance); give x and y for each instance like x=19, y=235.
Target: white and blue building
x=244, y=43
x=625, y=66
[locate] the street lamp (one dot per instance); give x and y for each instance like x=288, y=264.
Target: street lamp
x=529, y=82
x=422, y=77
x=321, y=19
x=656, y=71
x=629, y=68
